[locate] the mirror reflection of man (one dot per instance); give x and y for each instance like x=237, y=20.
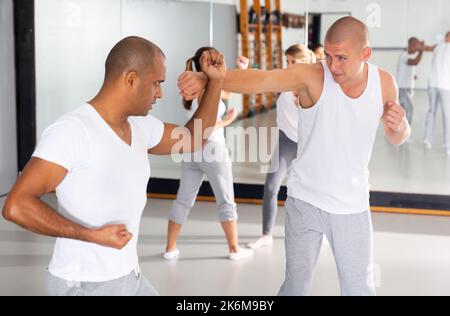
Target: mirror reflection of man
x=406, y=73
x=439, y=91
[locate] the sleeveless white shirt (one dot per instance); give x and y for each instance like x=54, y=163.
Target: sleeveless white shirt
x=336, y=137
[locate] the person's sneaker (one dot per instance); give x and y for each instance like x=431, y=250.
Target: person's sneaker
x=241, y=254
x=263, y=241
x=171, y=255
x=447, y=152
x=427, y=145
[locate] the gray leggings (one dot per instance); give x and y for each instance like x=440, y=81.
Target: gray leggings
x=405, y=101
x=442, y=97
x=350, y=238
x=130, y=285
x=220, y=176
x=287, y=152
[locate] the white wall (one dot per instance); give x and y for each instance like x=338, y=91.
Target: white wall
x=72, y=44
x=180, y=31
x=399, y=19
x=392, y=13
x=73, y=38
x=8, y=136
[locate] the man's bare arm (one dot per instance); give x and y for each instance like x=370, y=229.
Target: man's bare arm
x=25, y=208
x=416, y=61
x=185, y=138
x=252, y=81
x=396, y=126
x=178, y=139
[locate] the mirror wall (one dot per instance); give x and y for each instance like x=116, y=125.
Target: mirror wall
x=8, y=145
x=73, y=38
x=410, y=168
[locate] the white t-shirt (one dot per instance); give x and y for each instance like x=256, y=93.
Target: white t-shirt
x=219, y=134
x=406, y=73
x=440, y=69
x=287, y=115
x=106, y=184
x=336, y=138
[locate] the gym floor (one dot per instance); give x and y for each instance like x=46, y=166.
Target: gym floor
x=412, y=256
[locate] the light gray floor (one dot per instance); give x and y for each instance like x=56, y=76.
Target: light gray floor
x=407, y=169
x=412, y=255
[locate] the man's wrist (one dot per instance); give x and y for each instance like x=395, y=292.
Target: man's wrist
x=84, y=234
x=215, y=82
x=203, y=77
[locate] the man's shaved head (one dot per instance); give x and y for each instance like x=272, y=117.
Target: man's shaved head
x=347, y=50
x=348, y=29
x=413, y=40
x=131, y=54
x=134, y=73
x=414, y=45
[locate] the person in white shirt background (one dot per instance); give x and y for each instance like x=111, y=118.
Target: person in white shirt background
x=439, y=92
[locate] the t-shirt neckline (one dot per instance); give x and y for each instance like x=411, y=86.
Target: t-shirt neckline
x=110, y=130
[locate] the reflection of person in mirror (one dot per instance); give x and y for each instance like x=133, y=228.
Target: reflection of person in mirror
x=319, y=52
x=96, y=158
x=343, y=101
x=287, y=121
x=218, y=170
x=439, y=93
x=406, y=73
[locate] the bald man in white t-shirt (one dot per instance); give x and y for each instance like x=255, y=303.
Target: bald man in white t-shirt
x=96, y=159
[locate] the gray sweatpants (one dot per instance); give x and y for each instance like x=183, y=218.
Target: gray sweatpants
x=351, y=240
x=220, y=176
x=442, y=97
x=405, y=101
x=287, y=152
x=134, y=284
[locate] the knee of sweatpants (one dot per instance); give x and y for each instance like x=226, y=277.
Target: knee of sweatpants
x=363, y=290
x=358, y=284
x=179, y=213
x=228, y=212
x=146, y=288
x=294, y=287
x=59, y=287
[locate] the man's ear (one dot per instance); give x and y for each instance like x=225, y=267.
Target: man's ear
x=367, y=53
x=131, y=78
